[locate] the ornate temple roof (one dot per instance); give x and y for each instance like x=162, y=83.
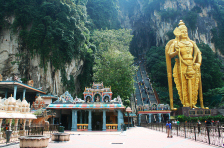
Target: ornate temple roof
x=97, y=87
x=66, y=101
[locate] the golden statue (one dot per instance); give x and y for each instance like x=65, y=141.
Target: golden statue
x=186, y=71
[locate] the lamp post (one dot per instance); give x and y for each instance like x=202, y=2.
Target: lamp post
x=128, y=110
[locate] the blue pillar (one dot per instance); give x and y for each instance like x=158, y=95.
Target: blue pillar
x=90, y=121
x=53, y=116
x=139, y=119
x=81, y=117
x=15, y=90
x=159, y=116
x=120, y=120
x=85, y=117
x=6, y=92
x=132, y=122
x=24, y=92
x=150, y=117
x=74, y=120
x=104, y=120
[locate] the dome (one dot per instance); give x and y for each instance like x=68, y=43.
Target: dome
x=6, y=102
x=24, y=103
x=39, y=99
x=11, y=100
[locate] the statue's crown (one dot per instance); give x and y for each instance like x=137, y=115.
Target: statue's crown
x=181, y=23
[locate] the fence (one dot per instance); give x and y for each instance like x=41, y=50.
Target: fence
x=212, y=135
x=18, y=131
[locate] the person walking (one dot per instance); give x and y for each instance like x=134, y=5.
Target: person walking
x=199, y=124
x=168, y=126
x=178, y=123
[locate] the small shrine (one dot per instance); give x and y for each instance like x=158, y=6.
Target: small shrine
x=17, y=110
x=96, y=111
x=39, y=109
x=38, y=103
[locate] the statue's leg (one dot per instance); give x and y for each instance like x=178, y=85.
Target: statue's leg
x=190, y=93
x=185, y=87
x=200, y=93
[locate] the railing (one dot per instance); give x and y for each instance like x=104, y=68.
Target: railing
x=18, y=131
x=111, y=127
x=156, y=96
x=36, y=130
x=82, y=127
x=212, y=135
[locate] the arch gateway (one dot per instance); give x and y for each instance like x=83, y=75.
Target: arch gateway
x=97, y=111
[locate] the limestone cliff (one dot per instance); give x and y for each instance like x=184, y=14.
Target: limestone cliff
x=152, y=21
x=27, y=66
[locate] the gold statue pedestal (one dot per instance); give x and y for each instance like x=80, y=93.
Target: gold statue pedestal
x=194, y=112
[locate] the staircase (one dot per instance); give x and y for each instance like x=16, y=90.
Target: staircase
x=151, y=95
x=143, y=93
x=137, y=92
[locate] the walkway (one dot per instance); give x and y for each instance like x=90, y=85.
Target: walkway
x=137, y=137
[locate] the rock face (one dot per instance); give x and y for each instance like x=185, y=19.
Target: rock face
x=143, y=17
x=14, y=61
x=150, y=29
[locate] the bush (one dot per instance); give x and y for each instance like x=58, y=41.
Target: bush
x=183, y=118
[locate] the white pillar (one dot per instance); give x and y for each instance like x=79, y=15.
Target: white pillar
x=10, y=123
x=16, y=124
x=16, y=127
x=0, y=128
x=29, y=122
x=24, y=124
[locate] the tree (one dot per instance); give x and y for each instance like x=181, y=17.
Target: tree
x=114, y=63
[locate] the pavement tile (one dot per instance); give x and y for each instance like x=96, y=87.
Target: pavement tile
x=137, y=137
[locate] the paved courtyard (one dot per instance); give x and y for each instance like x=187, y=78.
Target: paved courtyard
x=137, y=137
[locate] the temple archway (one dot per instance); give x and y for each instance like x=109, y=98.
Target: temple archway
x=97, y=98
x=88, y=98
x=106, y=98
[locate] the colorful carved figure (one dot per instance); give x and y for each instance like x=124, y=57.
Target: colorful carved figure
x=30, y=83
x=186, y=71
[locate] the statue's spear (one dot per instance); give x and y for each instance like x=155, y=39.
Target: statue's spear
x=177, y=33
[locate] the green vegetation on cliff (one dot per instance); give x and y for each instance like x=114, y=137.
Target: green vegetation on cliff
x=104, y=13
x=54, y=29
x=60, y=31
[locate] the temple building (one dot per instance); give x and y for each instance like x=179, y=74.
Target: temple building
x=97, y=111
x=19, y=89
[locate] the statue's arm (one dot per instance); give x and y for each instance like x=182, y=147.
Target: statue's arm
x=199, y=57
x=172, y=52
